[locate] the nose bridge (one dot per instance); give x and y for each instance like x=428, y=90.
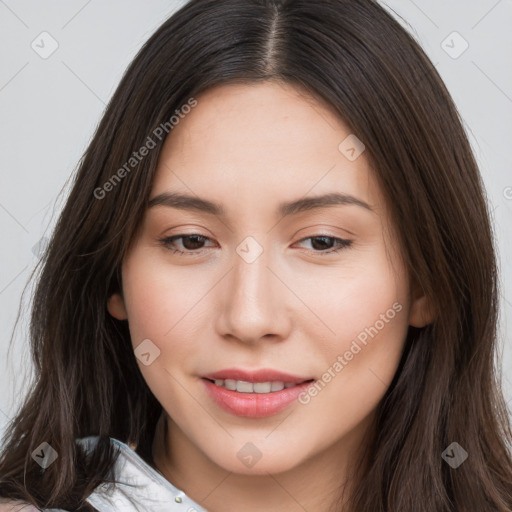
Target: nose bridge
x=253, y=298
x=251, y=280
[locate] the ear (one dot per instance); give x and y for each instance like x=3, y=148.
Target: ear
x=421, y=312
x=116, y=307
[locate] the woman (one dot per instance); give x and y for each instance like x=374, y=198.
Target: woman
x=273, y=285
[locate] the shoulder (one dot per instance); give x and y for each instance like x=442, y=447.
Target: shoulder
x=138, y=486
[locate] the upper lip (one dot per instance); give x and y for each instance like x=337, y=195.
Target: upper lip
x=261, y=375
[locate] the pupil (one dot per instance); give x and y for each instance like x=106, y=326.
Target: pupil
x=322, y=245
x=196, y=245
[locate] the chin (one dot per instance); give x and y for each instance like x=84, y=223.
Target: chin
x=263, y=461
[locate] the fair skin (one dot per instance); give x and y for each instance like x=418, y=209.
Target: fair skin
x=295, y=308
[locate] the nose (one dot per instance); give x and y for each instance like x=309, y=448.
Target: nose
x=254, y=302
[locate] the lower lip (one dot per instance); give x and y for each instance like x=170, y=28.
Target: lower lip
x=254, y=405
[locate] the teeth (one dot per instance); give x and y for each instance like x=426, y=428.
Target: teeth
x=244, y=387
x=262, y=387
x=230, y=384
x=277, y=386
x=253, y=387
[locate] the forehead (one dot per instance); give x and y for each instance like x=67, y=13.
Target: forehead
x=261, y=143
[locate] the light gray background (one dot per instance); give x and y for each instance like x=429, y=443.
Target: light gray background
x=50, y=107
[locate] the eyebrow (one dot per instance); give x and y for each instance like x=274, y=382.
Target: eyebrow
x=194, y=203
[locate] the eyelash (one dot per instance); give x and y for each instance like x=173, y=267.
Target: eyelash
x=168, y=243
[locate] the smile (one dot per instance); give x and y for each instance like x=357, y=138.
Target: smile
x=257, y=397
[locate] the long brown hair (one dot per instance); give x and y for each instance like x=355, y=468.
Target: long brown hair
x=354, y=55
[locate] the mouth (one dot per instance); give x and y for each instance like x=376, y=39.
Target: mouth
x=254, y=394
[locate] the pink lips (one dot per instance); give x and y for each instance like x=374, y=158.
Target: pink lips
x=254, y=405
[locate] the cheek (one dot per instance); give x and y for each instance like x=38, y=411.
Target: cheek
x=360, y=363
x=365, y=308
x=350, y=300
x=164, y=306
x=160, y=298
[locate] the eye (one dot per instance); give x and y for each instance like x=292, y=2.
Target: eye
x=191, y=243
x=319, y=243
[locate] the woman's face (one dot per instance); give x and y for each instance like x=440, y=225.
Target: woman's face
x=316, y=290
